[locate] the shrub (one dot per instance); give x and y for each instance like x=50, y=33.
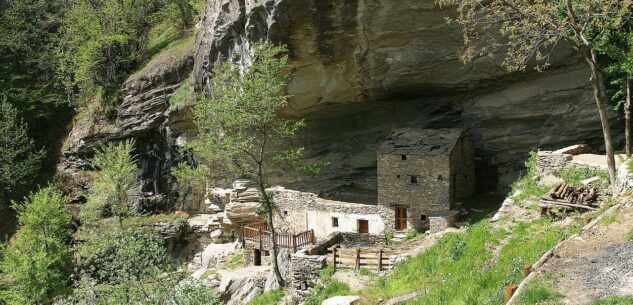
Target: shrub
x=37, y=264
x=269, y=298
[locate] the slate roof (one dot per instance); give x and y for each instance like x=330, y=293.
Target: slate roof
x=412, y=141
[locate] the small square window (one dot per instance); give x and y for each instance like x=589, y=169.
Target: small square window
x=413, y=179
x=285, y=213
x=397, y=176
x=403, y=157
x=335, y=222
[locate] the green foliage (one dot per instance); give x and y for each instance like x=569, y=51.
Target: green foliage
x=526, y=187
x=614, y=300
x=191, y=180
x=389, y=234
x=574, y=175
x=125, y=255
x=183, y=96
x=235, y=261
x=269, y=298
x=37, y=264
x=537, y=291
x=169, y=289
x=629, y=235
x=114, y=183
x=246, y=107
x=326, y=274
x=103, y=41
x=464, y=262
x=19, y=159
x=365, y=271
x=333, y=288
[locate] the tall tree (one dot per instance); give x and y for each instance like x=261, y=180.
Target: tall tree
x=37, y=263
x=617, y=46
x=114, y=187
x=529, y=31
x=241, y=129
x=19, y=158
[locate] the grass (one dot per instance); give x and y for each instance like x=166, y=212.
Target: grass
x=539, y=291
x=526, y=187
x=208, y=273
x=629, y=235
x=574, y=175
x=235, y=261
x=268, y=298
x=464, y=262
x=183, y=96
x=328, y=288
x=610, y=219
x=365, y=271
x=614, y=300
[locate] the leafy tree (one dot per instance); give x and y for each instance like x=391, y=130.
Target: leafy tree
x=103, y=40
x=617, y=46
x=114, y=185
x=37, y=264
x=19, y=159
x=529, y=31
x=241, y=130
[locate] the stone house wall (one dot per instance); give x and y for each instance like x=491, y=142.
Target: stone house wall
x=462, y=163
x=430, y=194
x=299, y=211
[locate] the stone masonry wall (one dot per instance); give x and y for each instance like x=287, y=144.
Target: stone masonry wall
x=547, y=161
x=296, y=211
x=430, y=194
x=462, y=162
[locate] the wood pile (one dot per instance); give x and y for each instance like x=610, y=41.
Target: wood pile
x=566, y=197
x=574, y=195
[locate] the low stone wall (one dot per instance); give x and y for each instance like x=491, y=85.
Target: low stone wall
x=442, y=221
x=350, y=239
x=547, y=161
x=305, y=269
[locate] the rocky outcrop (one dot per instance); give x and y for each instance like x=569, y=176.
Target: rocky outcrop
x=141, y=115
x=361, y=69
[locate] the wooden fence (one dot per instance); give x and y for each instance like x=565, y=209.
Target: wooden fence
x=258, y=234
x=377, y=258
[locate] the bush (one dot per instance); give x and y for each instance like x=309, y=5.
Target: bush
x=333, y=288
x=126, y=255
x=37, y=264
x=269, y=298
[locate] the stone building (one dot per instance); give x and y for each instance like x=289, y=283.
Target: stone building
x=422, y=171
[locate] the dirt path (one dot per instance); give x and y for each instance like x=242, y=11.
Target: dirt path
x=597, y=264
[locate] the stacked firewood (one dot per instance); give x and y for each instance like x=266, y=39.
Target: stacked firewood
x=573, y=195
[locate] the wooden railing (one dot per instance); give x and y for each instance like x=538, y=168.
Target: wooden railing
x=357, y=257
x=258, y=234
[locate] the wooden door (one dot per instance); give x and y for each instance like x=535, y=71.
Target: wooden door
x=363, y=226
x=401, y=219
x=257, y=257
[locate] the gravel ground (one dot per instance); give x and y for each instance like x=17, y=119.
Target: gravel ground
x=597, y=264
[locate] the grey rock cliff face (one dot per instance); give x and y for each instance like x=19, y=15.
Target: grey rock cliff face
x=361, y=68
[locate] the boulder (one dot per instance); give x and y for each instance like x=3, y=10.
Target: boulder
x=342, y=300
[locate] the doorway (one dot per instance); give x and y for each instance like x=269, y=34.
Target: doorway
x=257, y=257
x=363, y=226
x=401, y=219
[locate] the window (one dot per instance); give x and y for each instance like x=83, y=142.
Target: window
x=422, y=217
x=397, y=176
x=439, y=178
x=403, y=157
x=413, y=179
x=285, y=213
x=335, y=222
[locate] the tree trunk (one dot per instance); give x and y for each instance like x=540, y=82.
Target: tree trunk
x=600, y=94
x=269, y=211
x=627, y=117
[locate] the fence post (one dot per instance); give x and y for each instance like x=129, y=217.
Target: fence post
x=243, y=237
x=357, y=263
x=294, y=243
x=334, y=257
x=380, y=260
x=312, y=236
